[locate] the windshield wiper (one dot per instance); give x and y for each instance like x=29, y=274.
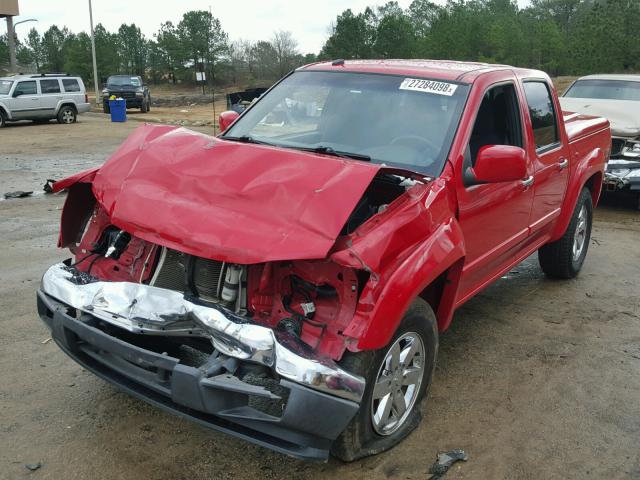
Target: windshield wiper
x=246, y=139
x=338, y=153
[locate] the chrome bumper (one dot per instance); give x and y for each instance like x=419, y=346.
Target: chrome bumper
x=150, y=310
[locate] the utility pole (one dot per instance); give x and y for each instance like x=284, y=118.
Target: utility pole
x=93, y=54
x=12, y=45
x=213, y=92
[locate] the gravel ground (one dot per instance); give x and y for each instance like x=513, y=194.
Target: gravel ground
x=535, y=379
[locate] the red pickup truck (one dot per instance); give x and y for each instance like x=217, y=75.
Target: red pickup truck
x=286, y=282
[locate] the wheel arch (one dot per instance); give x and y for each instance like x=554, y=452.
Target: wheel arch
x=594, y=184
x=67, y=104
x=589, y=173
x=432, y=273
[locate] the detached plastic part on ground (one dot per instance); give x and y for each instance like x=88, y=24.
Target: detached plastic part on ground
x=17, y=194
x=444, y=462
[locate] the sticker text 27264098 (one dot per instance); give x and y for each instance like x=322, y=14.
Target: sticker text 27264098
x=428, y=86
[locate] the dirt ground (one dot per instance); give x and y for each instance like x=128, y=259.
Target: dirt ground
x=536, y=379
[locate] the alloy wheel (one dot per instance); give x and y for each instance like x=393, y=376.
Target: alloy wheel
x=580, y=235
x=398, y=383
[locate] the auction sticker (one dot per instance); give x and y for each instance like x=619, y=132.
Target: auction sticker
x=428, y=86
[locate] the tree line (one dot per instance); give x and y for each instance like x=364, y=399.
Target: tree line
x=562, y=37
x=173, y=55
x=559, y=36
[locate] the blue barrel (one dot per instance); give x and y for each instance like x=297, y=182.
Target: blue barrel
x=118, y=110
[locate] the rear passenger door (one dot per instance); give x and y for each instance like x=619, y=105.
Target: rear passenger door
x=27, y=102
x=550, y=155
x=51, y=96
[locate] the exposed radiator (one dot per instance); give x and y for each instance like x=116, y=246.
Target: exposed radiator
x=175, y=270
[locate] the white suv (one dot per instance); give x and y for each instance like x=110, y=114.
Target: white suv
x=41, y=98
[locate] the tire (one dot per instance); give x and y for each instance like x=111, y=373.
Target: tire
x=365, y=435
x=105, y=108
x=564, y=257
x=67, y=115
x=144, y=108
x=3, y=120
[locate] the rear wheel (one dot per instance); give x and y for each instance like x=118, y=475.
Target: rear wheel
x=564, y=257
x=397, y=378
x=67, y=115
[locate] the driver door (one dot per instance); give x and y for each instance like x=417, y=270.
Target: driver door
x=27, y=104
x=495, y=216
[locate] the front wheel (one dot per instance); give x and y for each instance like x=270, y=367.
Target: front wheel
x=105, y=108
x=397, y=378
x=3, y=120
x=144, y=108
x=564, y=257
x=67, y=115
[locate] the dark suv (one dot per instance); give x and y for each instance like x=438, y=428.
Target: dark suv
x=129, y=87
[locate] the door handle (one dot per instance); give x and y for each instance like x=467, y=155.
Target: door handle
x=528, y=182
x=563, y=163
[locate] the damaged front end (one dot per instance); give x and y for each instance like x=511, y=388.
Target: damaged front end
x=201, y=302
x=239, y=348
x=623, y=169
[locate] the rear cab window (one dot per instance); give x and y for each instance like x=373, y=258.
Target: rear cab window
x=70, y=85
x=543, y=115
x=50, y=86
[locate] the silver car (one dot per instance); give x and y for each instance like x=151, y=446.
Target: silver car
x=41, y=98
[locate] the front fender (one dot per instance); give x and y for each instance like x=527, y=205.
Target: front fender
x=443, y=249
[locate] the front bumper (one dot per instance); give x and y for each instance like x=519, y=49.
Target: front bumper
x=135, y=102
x=322, y=398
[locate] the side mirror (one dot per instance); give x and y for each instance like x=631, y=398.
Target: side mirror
x=499, y=163
x=226, y=119
x=17, y=93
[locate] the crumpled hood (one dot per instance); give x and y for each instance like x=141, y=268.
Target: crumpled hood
x=623, y=115
x=229, y=201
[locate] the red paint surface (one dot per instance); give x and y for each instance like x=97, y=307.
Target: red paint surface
x=228, y=201
x=281, y=211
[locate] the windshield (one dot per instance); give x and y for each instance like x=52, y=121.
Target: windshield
x=401, y=122
x=605, y=89
x=123, y=81
x=5, y=86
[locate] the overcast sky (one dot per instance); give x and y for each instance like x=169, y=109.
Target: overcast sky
x=308, y=20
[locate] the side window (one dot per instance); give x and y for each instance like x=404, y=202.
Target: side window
x=70, y=85
x=497, y=121
x=49, y=86
x=542, y=113
x=27, y=88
